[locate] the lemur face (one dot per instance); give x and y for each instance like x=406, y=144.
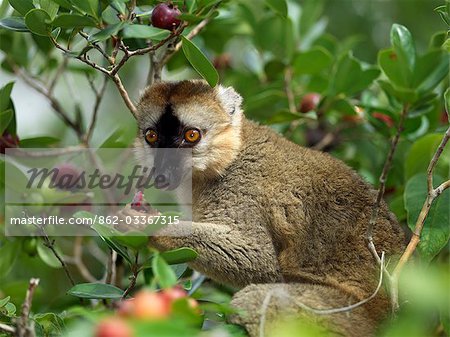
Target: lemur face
x=188, y=115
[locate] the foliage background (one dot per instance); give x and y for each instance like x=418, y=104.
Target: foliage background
x=254, y=50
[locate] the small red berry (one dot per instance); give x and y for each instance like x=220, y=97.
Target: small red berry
x=309, y=102
x=174, y=293
x=151, y=305
x=165, y=16
x=8, y=141
x=113, y=327
x=384, y=118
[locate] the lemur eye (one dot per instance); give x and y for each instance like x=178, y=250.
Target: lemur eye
x=192, y=135
x=151, y=136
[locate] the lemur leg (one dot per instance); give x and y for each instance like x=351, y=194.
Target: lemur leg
x=262, y=307
x=226, y=254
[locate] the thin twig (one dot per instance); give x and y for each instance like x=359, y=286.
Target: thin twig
x=98, y=99
x=53, y=101
x=50, y=244
x=288, y=89
x=78, y=260
x=382, y=180
x=135, y=271
x=110, y=274
x=59, y=72
x=432, y=194
x=7, y=329
x=97, y=47
x=24, y=328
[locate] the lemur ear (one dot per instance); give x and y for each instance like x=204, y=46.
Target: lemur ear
x=230, y=99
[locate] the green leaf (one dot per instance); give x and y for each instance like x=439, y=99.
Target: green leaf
x=436, y=231
x=10, y=309
x=444, y=13
x=108, y=235
x=4, y=301
x=404, y=48
x=163, y=273
x=90, y=7
x=390, y=64
x=431, y=69
x=350, y=77
x=96, y=290
x=5, y=94
x=180, y=255
x=402, y=94
x=437, y=40
x=5, y=118
x=133, y=239
x=64, y=3
x=9, y=251
x=22, y=6
x=71, y=21
x=107, y=32
x=38, y=142
x=283, y=116
x=275, y=34
x=14, y=23
x=48, y=257
x=144, y=32
x=278, y=6
x=50, y=7
x=424, y=148
x=312, y=61
x=36, y=20
x=200, y=62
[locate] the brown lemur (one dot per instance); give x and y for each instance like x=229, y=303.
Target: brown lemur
x=284, y=223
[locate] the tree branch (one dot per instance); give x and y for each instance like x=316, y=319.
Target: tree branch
x=433, y=193
x=24, y=329
x=7, y=329
x=98, y=99
x=382, y=180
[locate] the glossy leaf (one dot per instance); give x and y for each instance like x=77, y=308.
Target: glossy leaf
x=401, y=94
x=420, y=154
x=404, y=48
x=312, y=61
x=4, y=301
x=108, y=235
x=163, y=273
x=38, y=142
x=36, y=20
x=5, y=118
x=107, y=32
x=48, y=257
x=22, y=6
x=144, y=32
x=390, y=64
x=96, y=290
x=350, y=78
x=71, y=21
x=278, y=6
x=5, y=94
x=200, y=62
x=9, y=251
x=284, y=116
x=88, y=6
x=180, y=255
x=436, y=231
x=133, y=239
x=431, y=69
x=14, y=23
x=50, y=7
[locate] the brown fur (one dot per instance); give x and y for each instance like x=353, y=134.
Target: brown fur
x=275, y=213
